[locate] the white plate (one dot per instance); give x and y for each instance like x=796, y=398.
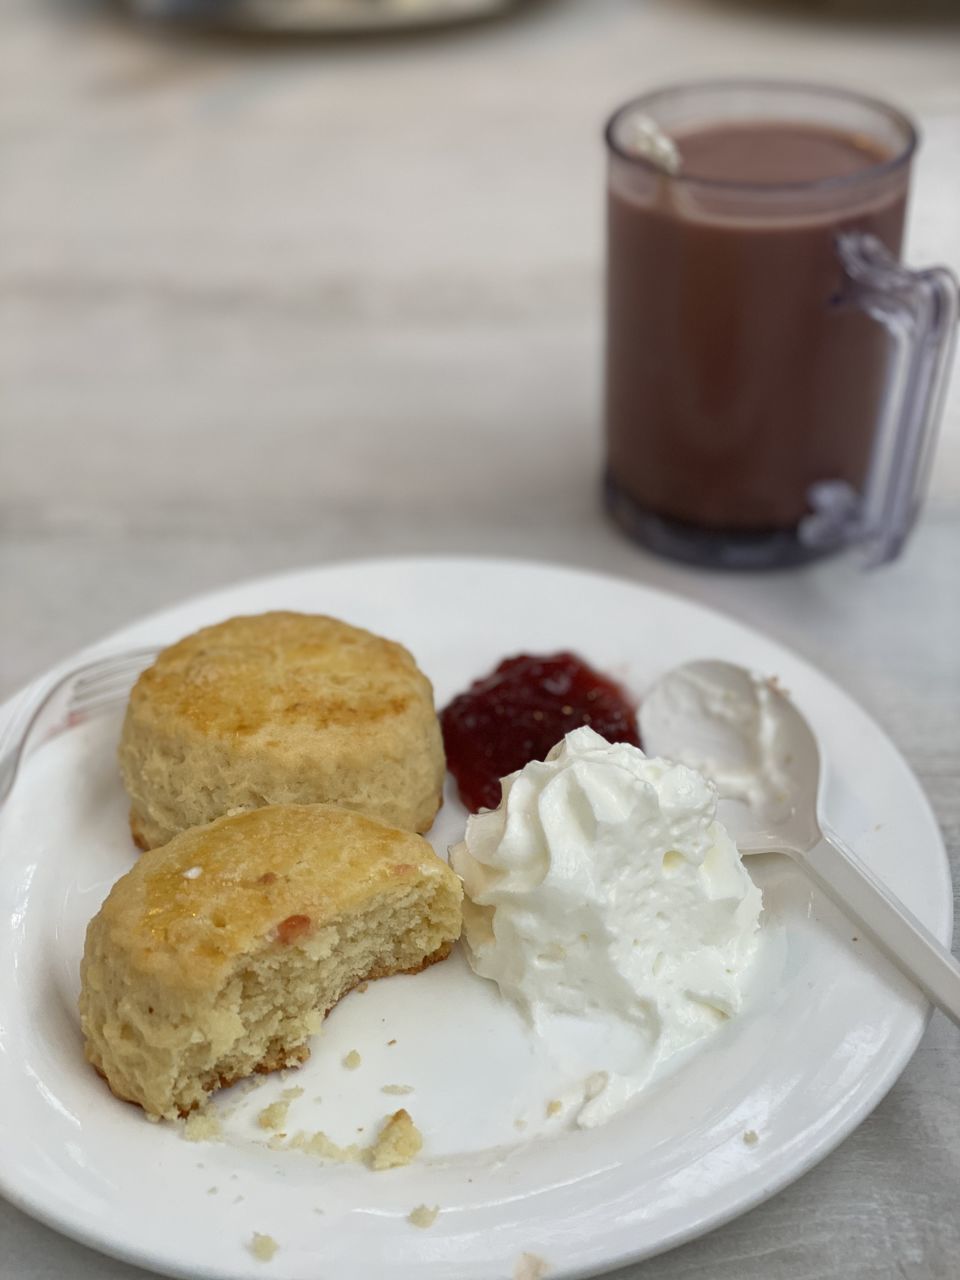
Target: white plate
x=827, y=1028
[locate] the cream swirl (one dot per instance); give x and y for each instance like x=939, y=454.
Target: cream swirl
x=611, y=907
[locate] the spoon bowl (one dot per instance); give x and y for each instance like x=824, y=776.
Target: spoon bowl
x=743, y=732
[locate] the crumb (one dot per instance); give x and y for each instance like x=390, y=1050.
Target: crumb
x=273, y=1117
x=263, y=1247
x=751, y=1138
x=362, y=988
x=212, y=1191
x=397, y=1143
x=397, y=1088
x=390, y=1042
x=530, y=1266
x=554, y=1107
x=295, y=1092
x=318, y=1144
x=854, y=939
x=352, y=1060
x=276, y=1141
x=519, y=1124
x=423, y=1216
x=202, y=1126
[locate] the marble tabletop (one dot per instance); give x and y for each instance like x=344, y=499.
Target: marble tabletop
x=269, y=303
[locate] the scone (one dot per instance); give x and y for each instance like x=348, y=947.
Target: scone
x=219, y=954
x=282, y=708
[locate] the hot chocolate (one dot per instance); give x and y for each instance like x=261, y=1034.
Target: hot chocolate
x=737, y=377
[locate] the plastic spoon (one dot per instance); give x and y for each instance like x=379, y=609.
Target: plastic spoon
x=745, y=733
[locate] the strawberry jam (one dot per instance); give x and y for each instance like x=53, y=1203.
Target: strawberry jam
x=521, y=710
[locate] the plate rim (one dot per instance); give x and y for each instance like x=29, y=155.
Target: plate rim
x=740, y=1204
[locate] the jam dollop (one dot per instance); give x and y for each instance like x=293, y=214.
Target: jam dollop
x=521, y=710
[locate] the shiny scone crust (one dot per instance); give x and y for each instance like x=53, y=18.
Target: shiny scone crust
x=218, y=955
x=280, y=708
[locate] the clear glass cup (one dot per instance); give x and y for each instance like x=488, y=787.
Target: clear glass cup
x=774, y=376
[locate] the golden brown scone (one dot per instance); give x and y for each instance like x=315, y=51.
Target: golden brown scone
x=219, y=954
x=281, y=708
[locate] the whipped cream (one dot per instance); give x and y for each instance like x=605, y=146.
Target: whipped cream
x=611, y=907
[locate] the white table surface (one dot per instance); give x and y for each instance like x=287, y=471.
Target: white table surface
x=267, y=304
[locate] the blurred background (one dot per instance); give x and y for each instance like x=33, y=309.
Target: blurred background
x=269, y=301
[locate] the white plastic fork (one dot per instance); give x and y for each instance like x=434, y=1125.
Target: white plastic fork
x=64, y=702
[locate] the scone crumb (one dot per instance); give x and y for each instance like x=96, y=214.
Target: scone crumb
x=362, y=988
x=397, y=1088
x=397, y=1144
x=519, y=1123
x=263, y=1247
x=318, y=1144
x=554, y=1107
x=295, y=1092
x=352, y=1060
x=212, y=1191
x=390, y=1042
x=530, y=1266
x=202, y=1126
x=423, y=1216
x=273, y=1117
x=751, y=1138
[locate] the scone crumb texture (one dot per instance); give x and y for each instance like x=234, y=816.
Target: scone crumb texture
x=352, y=1060
x=318, y=1144
x=398, y=1142
x=554, y=1107
x=273, y=1117
x=751, y=1137
x=202, y=1126
x=397, y=1088
x=530, y=1266
x=423, y=1216
x=263, y=1247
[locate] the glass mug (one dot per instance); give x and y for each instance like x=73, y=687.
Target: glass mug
x=774, y=376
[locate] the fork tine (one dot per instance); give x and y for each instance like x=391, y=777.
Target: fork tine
x=91, y=687
x=100, y=697
x=110, y=667
x=108, y=680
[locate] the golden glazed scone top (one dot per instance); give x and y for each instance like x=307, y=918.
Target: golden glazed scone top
x=280, y=708
x=189, y=908
x=288, y=672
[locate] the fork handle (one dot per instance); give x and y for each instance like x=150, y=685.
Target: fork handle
x=851, y=885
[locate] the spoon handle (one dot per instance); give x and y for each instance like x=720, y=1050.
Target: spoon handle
x=837, y=870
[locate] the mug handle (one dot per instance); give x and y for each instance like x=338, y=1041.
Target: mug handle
x=919, y=311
